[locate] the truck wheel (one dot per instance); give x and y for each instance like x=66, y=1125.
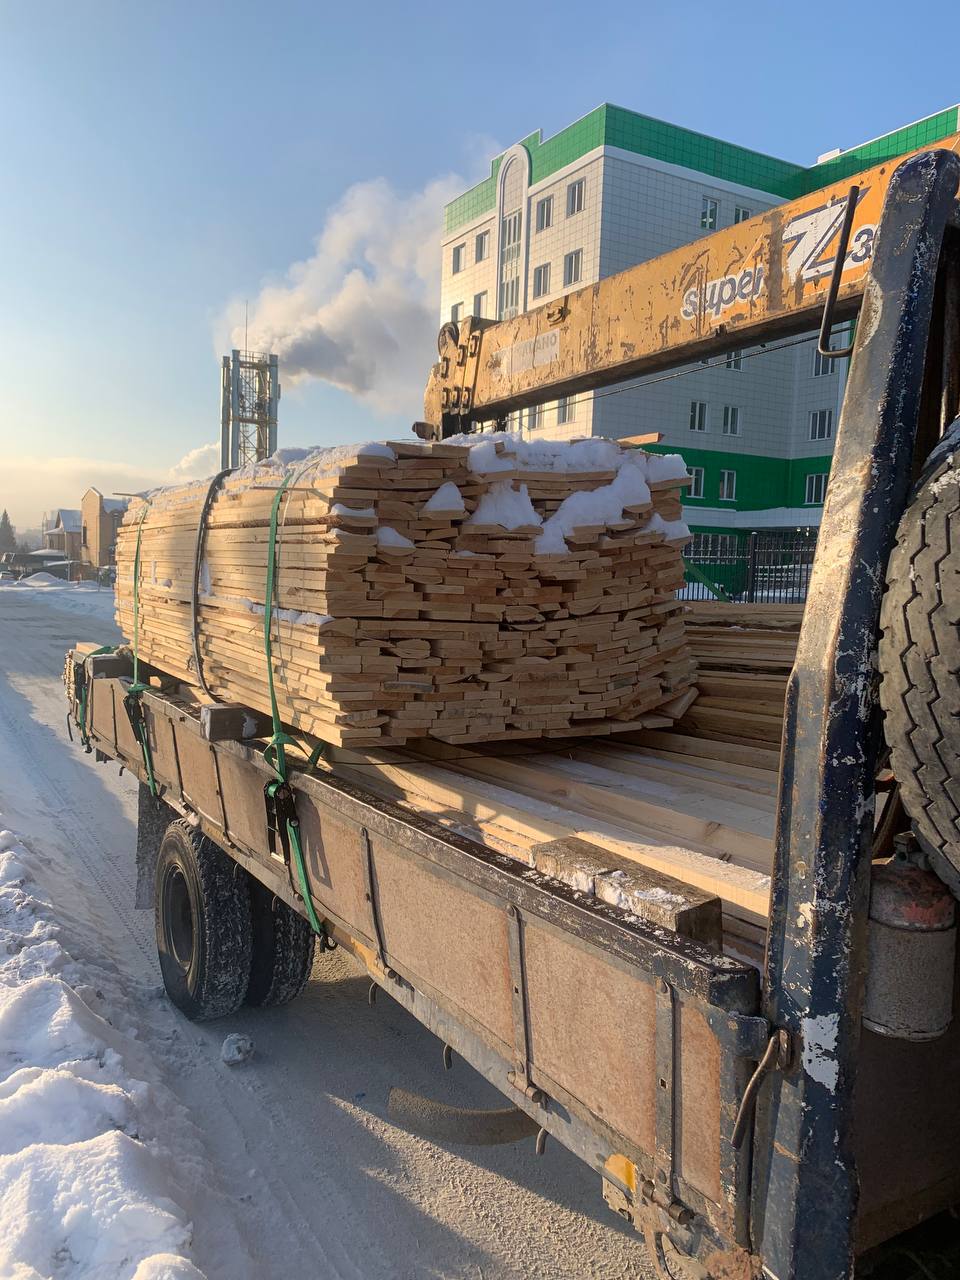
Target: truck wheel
x=204, y=934
x=920, y=652
x=283, y=945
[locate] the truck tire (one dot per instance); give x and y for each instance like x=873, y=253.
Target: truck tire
x=204, y=932
x=283, y=946
x=920, y=652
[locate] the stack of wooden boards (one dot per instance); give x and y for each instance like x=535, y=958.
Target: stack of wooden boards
x=473, y=591
x=696, y=801
x=745, y=653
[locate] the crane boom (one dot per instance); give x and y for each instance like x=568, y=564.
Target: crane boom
x=771, y=273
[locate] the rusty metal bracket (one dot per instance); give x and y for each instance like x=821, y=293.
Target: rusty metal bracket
x=520, y=1076
x=370, y=893
x=666, y=1060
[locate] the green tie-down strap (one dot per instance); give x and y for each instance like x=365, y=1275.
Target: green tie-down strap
x=134, y=708
x=275, y=752
x=133, y=698
x=287, y=813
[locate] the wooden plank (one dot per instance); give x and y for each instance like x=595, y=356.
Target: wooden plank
x=650, y=895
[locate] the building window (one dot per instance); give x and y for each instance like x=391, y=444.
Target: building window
x=696, y=488
x=698, y=415
x=573, y=267
x=728, y=486
x=83, y=540
x=510, y=237
x=821, y=424
x=509, y=297
x=459, y=256
x=740, y=214
x=541, y=280
x=822, y=365
x=731, y=420
x=534, y=417
x=816, y=488
x=708, y=214
x=456, y=312
x=734, y=360
x=575, y=198
x=565, y=408
x=545, y=213
x=480, y=304
x=482, y=246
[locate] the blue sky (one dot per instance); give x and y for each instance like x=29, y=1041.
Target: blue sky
x=162, y=163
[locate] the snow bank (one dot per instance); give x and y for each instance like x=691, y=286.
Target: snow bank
x=87, y=1188
x=41, y=580
x=83, y=597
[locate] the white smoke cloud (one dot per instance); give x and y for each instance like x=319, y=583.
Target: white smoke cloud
x=362, y=312
x=197, y=464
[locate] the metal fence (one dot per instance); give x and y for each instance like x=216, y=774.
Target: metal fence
x=764, y=568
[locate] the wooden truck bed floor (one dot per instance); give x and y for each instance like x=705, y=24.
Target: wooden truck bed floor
x=679, y=804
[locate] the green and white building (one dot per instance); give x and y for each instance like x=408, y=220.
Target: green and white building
x=616, y=188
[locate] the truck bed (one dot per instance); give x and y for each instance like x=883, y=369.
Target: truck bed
x=628, y=1033
x=629, y=1041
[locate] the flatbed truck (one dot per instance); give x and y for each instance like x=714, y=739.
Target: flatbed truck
x=781, y=1109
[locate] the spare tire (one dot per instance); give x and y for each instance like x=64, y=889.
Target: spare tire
x=920, y=652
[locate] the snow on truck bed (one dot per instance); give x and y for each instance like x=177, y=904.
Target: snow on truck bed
x=89, y=1187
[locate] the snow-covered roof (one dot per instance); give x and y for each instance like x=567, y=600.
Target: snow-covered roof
x=115, y=504
x=69, y=520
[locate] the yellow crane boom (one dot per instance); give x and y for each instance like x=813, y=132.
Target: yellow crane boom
x=770, y=274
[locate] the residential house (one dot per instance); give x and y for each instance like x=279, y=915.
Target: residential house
x=64, y=533
x=101, y=517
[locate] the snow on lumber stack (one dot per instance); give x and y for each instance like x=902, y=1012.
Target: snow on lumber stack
x=472, y=590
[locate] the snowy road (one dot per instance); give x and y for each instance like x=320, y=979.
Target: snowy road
x=293, y=1167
